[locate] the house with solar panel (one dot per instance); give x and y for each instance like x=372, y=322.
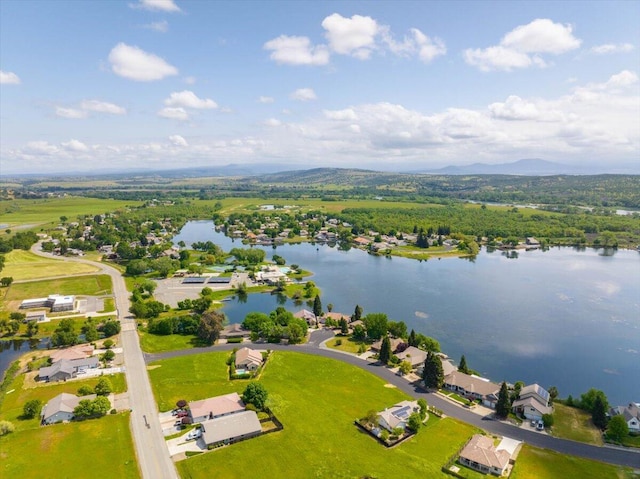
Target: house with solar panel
x=397, y=415
x=532, y=403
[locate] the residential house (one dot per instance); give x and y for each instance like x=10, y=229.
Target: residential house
x=473, y=387
x=532, y=403
x=337, y=317
x=271, y=275
x=248, y=359
x=231, y=428
x=397, y=415
x=307, y=315
x=214, y=407
x=395, y=342
x=631, y=414
x=480, y=454
x=67, y=369
x=60, y=408
x=234, y=330
x=414, y=355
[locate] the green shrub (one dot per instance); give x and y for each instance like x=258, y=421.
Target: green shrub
x=234, y=340
x=85, y=390
x=113, y=411
x=6, y=427
x=338, y=342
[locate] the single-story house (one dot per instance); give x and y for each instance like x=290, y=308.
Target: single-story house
x=631, y=414
x=79, y=351
x=67, y=369
x=248, y=359
x=395, y=342
x=37, y=316
x=61, y=407
x=271, y=275
x=414, y=355
x=532, y=403
x=397, y=415
x=214, y=407
x=473, y=387
x=337, y=316
x=480, y=454
x=55, y=302
x=231, y=428
x=307, y=315
x=234, y=330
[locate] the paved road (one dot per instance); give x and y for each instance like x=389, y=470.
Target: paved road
x=621, y=457
x=152, y=452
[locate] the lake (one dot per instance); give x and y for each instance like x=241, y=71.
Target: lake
x=563, y=317
x=12, y=349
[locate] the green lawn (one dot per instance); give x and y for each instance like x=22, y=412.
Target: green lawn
x=24, y=265
x=348, y=344
x=91, y=285
x=95, y=448
x=11, y=407
x=44, y=213
x=575, y=424
x=45, y=330
x=153, y=343
x=533, y=463
x=319, y=438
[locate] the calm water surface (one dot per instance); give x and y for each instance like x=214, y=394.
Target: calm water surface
x=562, y=317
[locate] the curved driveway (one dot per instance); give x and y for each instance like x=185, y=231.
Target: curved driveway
x=621, y=457
x=151, y=449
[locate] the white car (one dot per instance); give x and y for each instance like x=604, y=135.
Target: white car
x=195, y=434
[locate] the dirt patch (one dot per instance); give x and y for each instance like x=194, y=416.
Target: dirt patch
x=149, y=368
x=389, y=385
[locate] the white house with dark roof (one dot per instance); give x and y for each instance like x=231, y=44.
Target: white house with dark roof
x=214, y=407
x=631, y=414
x=397, y=415
x=67, y=369
x=231, y=428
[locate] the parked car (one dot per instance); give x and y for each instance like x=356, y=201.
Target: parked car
x=534, y=423
x=195, y=434
x=182, y=413
x=540, y=426
x=178, y=423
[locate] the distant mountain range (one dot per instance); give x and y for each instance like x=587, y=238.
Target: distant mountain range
x=525, y=167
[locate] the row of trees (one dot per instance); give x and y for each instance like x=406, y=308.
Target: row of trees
x=278, y=325
x=65, y=333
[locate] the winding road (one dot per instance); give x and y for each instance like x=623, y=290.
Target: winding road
x=151, y=448
x=617, y=456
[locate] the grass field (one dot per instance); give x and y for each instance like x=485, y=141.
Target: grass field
x=319, y=438
x=11, y=408
x=575, y=424
x=348, y=344
x=153, y=343
x=44, y=213
x=91, y=285
x=533, y=463
x=95, y=448
x=24, y=265
x=45, y=330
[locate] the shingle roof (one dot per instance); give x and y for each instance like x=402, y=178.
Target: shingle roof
x=63, y=403
x=480, y=449
x=228, y=427
x=248, y=356
x=216, y=406
x=471, y=384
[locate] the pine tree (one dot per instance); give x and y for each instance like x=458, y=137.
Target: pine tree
x=317, y=306
x=344, y=326
x=432, y=374
x=463, y=365
x=504, y=405
x=599, y=413
x=385, y=350
x=413, y=341
x=357, y=314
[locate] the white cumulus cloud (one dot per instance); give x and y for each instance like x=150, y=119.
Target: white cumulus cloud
x=266, y=99
x=303, y=94
x=177, y=140
x=9, y=78
x=514, y=108
x=355, y=36
x=188, y=99
x=612, y=48
x=135, y=64
x=523, y=46
x=292, y=50
x=415, y=43
x=174, y=113
x=102, y=107
x=75, y=145
x=71, y=113
x=157, y=5
x=272, y=122
x=346, y=114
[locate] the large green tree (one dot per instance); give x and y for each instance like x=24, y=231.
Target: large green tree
x=317, y=306
x=357, y=313
x=599, y=412
x=31, y=408
x=503, y=406
x=376, y=325
x=64, y=334
x=617, y=428
x=463, y=368
x=211, y=323
x=256, y=394
x=385, y=350
x=432, y=373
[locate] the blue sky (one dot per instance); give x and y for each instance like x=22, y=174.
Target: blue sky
x=159, y=84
